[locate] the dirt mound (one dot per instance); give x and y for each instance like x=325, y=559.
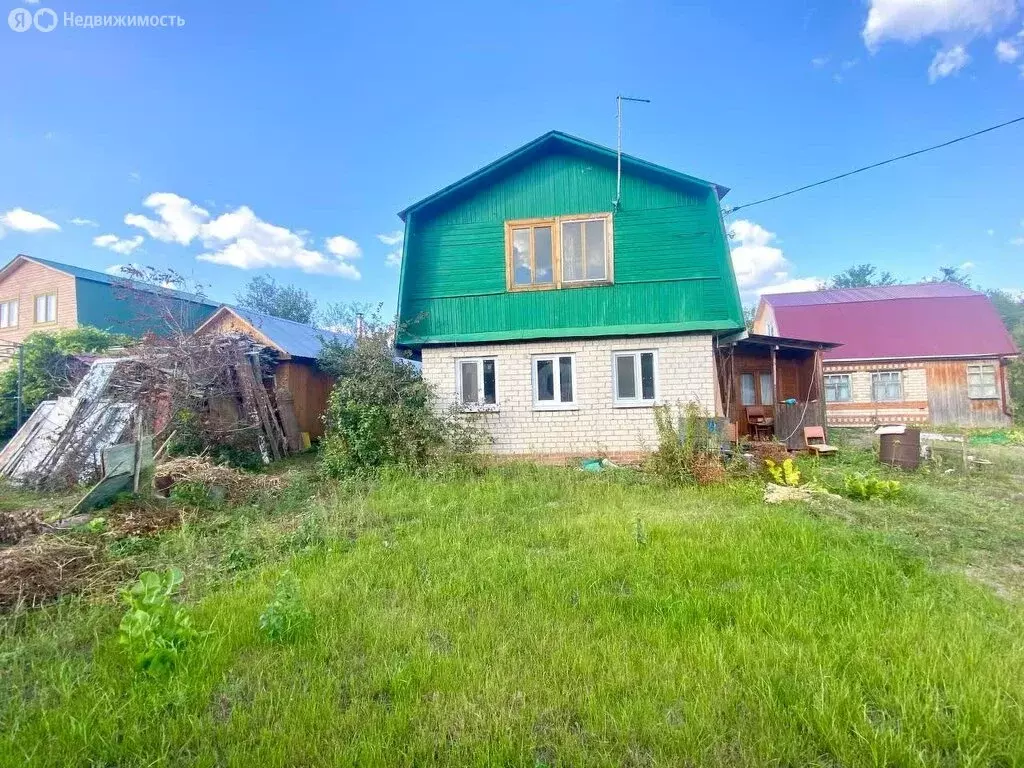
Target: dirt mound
x=18, y=523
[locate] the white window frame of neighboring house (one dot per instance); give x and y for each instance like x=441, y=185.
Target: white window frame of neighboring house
x=875, y=377
x=49, y=303
x=480, y=404
x=557, y=404
x=9, y=313
x=980, y=371
x=639, y=401
x=555, y=223
x=849, y=388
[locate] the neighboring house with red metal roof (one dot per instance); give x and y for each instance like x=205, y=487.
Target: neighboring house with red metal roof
x=925, y=353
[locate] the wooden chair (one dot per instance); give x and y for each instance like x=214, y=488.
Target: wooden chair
x=814, y=439
x=761, y=424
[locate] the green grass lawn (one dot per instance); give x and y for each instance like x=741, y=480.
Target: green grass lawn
x=552, y=617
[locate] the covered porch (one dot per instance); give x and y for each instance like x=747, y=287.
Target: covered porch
x=772, y=387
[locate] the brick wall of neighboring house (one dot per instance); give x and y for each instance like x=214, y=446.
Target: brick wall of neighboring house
x=28, y=280
x=685, y=373
x=934, y=391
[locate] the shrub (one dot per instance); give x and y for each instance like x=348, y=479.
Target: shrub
x=866, y=487
x=154, y=628
x=284, y=615
x=381, y=412
x=785, y=473
x=687, y=449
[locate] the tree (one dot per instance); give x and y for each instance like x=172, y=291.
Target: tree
x=1011, y=310
x=264, y=294
x=49, y=369
x=861, y=276
x=954, y=275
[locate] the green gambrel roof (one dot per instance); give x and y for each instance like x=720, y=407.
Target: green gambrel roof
x=547, y=142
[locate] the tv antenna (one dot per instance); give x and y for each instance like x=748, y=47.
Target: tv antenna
x=618, y=158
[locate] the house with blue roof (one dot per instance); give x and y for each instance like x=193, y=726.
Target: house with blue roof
x=43, y=295
x=297, y=347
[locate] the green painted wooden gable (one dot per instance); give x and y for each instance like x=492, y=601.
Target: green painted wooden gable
x=672, y=270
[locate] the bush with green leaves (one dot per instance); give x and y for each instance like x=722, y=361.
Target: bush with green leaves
x=863, y=487
x=285, y=615
x=688, y=450
x=382, y=413
x=155, y=629
x=49, y=369
x=785, y=473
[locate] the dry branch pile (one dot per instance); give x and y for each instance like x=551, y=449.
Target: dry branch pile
x=46, y=567
x=238, y=486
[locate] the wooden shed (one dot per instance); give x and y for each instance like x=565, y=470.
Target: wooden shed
x=779, y=379
x=298, y=347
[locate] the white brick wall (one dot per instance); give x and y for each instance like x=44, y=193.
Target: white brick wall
x=685, y=373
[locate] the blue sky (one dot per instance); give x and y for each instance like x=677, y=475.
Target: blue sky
x=291, y=136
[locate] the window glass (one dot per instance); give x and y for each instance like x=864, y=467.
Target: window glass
x=542, y=255
x=837, y=387
x=572, y=251
x=470, y=384
x=490, y=388
x=747, y=396
x=647, y=375
x=565, y=378
x=982, y=382
x=522, y=271
x=545, y=380
x=625, y=379
x=767, y=395
x=594, y=243
x=886, y=386
x=8, y=314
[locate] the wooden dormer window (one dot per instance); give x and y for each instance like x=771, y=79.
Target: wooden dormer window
x=558, y=252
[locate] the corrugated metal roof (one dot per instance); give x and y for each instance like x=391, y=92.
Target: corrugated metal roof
x=296, y=339
x=961, y=323
x=101, y=277
x=547, y=141
x=872, y=293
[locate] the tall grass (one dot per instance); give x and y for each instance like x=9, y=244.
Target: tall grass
x=543, y=617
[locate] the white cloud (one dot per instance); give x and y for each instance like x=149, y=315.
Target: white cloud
x=948, y=62
x=912, y=20
x=1017, y=241
x=760, y=266
x=117, y=245
x=967, y=265
x=20, y=220
x=796, y=285
x=78, y=221
x=343, y=247
x=820, y=61
x=1008, y=51
x=180, y=219
x=392, y=238
x=393, y=258
x=242, y=239
x=990, y=232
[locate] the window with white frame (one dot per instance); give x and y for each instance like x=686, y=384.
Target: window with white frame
x=837, y=388
x=477, y=382
x=554, y=381
x=9, y=313
x=46, y=308
x=886, y=386
x=982, y=382
x=635, y=377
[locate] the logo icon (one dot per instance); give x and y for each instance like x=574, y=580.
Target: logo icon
x=45, y=20
x=20, y=20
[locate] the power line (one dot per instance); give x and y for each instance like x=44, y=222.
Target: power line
x=878, y=165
